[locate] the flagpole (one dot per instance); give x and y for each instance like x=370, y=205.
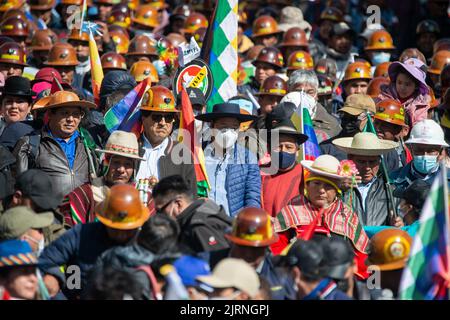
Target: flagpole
x=302, y=130
x=447, y=224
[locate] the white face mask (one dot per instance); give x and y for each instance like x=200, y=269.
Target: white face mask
x=308, y=102
x=40, y=243
x=225, y=138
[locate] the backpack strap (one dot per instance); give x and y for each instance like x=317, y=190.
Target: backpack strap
x=154, y=284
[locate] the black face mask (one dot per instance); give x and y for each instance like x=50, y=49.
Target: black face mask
x=350, y=126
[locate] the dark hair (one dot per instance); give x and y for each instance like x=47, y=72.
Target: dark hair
x=172, y=186
x=109, y=283
x=114, y=98
x=159, y=234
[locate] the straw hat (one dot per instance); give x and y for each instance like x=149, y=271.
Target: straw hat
x=123, y=144
x=365, y=144
x=324, y=165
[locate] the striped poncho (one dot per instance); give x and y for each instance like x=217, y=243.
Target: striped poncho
x=338, y=219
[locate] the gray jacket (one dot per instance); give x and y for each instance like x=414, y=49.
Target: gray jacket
x=377, y=204
x=50, y=158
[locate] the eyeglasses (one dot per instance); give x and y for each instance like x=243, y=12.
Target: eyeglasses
x=68, y=114
x=157, y=117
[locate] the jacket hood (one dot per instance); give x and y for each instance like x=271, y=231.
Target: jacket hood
x=113, y=81
x=204, y=206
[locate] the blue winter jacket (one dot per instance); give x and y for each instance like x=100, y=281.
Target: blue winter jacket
x=80, y=247
x=243, y=181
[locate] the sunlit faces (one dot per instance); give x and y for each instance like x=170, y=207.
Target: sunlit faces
x=405, y=85
x=15, y=108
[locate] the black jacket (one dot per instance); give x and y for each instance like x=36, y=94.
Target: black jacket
x=50, y=158
x=203, y=227
x=377, y=204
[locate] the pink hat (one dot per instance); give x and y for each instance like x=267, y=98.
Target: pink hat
x=415, y=68
x=47, y=74
x=38, y=87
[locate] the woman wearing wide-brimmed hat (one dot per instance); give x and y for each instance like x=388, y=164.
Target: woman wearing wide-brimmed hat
x=321, y=209
x=121, y=161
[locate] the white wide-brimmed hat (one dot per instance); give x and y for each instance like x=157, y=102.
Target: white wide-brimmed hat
x=291, y=17
x=123, y=144
x=324, y=165
x=365, y=144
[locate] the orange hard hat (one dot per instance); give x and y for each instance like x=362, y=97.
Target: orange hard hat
x=72, y=2
x=300, y=60
x=142, y=45
x=294, y=37
x=120, y=16
x=62, y=54
x=270, y=55
x=374, y=87
x=12, y=53
x=380, y=40
x=122, y=208
x=158, y=4
x=441, y=44
x=412, y=53
x=357, y=70
x=121, y=40
x=6, y=5
x=14, y=27
x=43, y=40
x=439, y=61
x=333, y=14
x=113, y=60
x=146, y=15
x=389, y=249
x=391, y=111
x=195, y=21
x=159, y=99
x=265, y=25
x=175, y=39
x=273, y=86
x=42, y=5
x=252, y=227
x=141, y=70
x=76, y=36
x=382, y=70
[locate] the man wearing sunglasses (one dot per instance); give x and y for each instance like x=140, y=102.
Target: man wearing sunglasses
x=159, y=115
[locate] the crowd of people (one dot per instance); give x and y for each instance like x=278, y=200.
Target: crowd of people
x=86, y=213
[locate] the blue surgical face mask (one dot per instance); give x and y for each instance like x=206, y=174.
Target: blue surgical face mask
x=285, y=159
x=380, y=57
x=425, y=164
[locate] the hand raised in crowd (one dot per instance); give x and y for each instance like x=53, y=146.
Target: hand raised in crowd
x=397, y=222
x=104, y=30
x=52, y=284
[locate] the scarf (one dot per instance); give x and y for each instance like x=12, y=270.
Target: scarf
x=338, y=218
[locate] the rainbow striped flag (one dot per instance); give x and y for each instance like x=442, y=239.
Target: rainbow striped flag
x=125, y=115
x=427, y=273
x=96, y=68
x=194, y=144
x=303, y=123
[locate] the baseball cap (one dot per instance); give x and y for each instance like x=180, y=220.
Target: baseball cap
x=189, y=267
x=196, y=96
x=338, y=257
x=16, y=221
x=308, y=256
x=358, y=103
x=36, y=184
x=415, y=194
x=233, y=273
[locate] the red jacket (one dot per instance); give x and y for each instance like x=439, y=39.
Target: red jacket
x=279, y=188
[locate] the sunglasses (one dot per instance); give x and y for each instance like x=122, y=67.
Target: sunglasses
x=157, y=117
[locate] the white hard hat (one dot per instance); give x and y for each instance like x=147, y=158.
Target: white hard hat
x=427, y=132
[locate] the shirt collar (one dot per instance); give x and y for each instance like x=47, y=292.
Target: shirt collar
x=71, y=139
x=148, y=145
